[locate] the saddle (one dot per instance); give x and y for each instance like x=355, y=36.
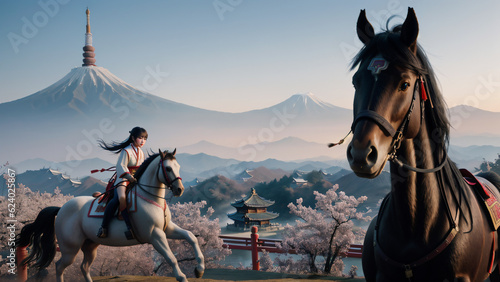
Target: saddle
x=488, y=195
x=98, y=206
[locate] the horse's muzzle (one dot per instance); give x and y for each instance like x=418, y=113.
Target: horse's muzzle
x=178, y=188
x=363, y=160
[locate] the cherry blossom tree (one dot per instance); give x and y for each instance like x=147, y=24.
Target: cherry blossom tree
x=286, y=264
x=27, y=204
x=353, y=271
x=326, y=230
x=266, y=263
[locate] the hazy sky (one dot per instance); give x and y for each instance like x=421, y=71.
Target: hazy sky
x=238, y=55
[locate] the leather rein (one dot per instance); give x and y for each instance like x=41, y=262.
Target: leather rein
x=169, y=184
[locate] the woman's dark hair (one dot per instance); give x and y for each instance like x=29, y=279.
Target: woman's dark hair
x=116, y=147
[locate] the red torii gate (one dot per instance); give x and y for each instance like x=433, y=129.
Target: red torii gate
x=255, y=245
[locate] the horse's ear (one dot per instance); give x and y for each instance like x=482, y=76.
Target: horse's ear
x=409, y=31
x=162, y=154
x=364, y=28
x=173, y=153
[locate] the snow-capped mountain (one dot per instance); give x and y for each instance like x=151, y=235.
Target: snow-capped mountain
x=301, y=103
x=88, y=91
x=64, y=121
x=303, y=106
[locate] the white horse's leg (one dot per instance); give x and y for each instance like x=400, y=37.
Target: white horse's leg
x=69, y=232
x=175, y=232
x=159, y=241
x=68, y=255
x=89, y=250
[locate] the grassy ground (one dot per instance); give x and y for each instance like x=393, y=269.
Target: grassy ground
x=230, y=275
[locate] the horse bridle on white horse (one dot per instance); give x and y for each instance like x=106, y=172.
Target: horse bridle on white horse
x=164, y=169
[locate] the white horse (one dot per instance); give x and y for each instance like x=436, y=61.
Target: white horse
x=75, y=230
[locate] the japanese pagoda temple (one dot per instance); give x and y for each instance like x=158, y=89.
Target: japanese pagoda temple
x=250, y=211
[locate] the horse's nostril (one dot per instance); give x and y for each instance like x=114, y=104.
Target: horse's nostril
x=349, y=154
x=372, y=156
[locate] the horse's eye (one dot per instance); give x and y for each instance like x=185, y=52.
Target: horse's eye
x=404, y=86
x=169, y=169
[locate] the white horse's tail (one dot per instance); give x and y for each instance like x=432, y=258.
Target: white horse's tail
x=41, y=236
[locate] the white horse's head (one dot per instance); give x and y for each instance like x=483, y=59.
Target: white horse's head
x=170, y=172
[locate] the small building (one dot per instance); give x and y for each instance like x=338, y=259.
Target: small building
x=299, y=182
x=252, y=211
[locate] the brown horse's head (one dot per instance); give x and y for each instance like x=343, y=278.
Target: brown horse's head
x=387, y=94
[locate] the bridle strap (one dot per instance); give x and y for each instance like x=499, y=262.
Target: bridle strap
x=149, y=193
x=421, y=170
x=138, y=184
x=384, y=124
x=377, y=118
x=165, y=175
x=161, y=167
x=397, y=135
x=396, y=140
x=396, y=144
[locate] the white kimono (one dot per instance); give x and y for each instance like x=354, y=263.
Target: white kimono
x=129, y=160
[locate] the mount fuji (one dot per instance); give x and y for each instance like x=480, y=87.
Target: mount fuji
x=87, y=92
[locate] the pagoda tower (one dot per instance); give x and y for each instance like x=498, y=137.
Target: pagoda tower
x=250, y=211
x=88, y=49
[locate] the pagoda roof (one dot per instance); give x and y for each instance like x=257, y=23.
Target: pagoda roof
x=54, y=172
x=253, y=216
x=253, y=200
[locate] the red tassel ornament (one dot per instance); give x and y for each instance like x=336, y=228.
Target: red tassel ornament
x=422, y=90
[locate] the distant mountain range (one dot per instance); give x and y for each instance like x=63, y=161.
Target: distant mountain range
x=64, y=121
x=47, y=180
x=198, y=166
x=202, y=166
x=219, y=181
x=286, y=149
x=75, y=172
x=472, y=126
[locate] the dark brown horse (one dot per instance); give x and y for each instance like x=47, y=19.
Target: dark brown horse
x=430, y=227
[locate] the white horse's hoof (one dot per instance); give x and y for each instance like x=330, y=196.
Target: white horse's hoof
x=198, y=273
x=182, y=279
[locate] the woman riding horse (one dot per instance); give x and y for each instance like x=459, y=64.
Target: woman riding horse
x=74, y=229
x=130, y=158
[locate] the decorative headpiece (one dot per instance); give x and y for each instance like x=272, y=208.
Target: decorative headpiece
x=377, y=65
